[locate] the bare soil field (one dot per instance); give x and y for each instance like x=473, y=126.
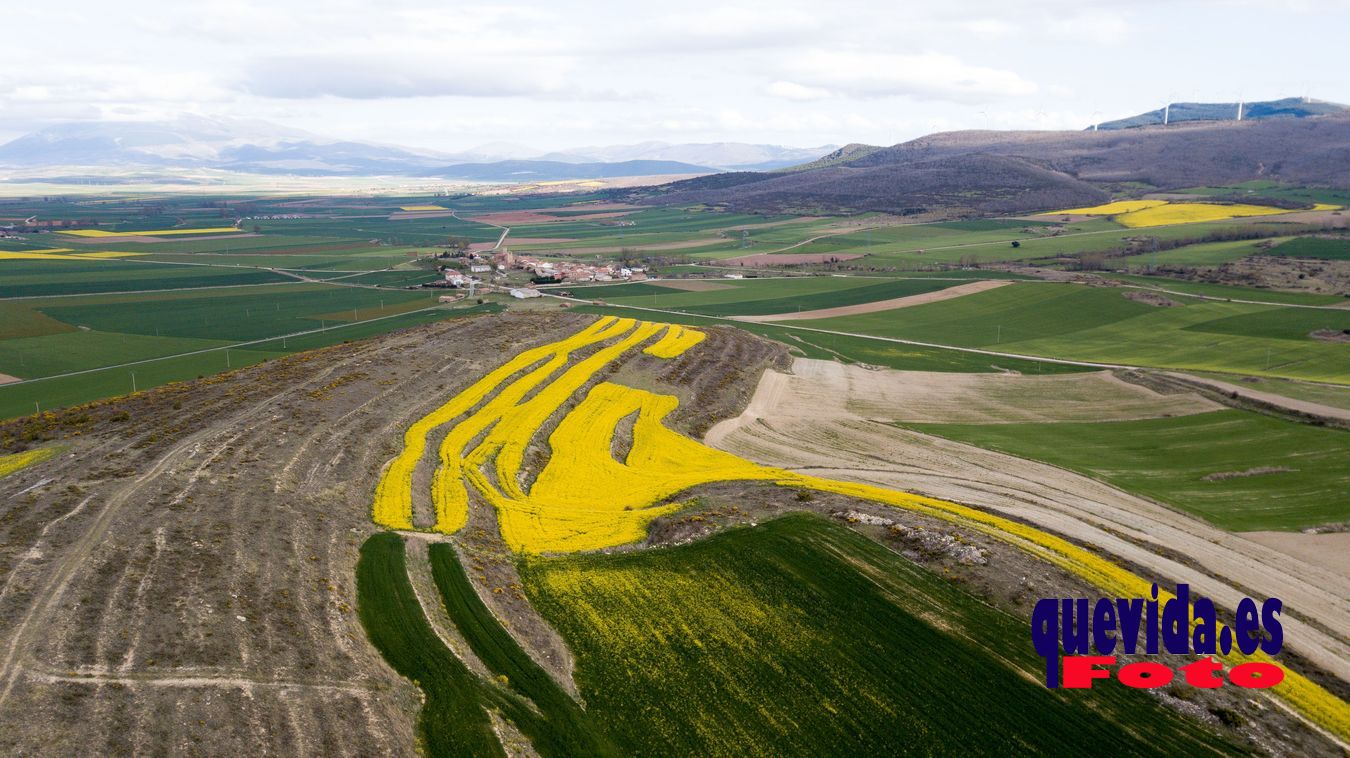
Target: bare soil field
x=6, y=379
x=184, y=574
x=949, y=293
x=947, y=398
x=1329, y=550
x=795, y=422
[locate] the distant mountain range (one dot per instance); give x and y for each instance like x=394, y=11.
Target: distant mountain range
x=1180, y=113
x=983, y=172
x=264, y=148
x=539, y=171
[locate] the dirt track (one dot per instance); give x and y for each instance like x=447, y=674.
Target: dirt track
x=804, y=421
x=1282, y=401
x=949, y=293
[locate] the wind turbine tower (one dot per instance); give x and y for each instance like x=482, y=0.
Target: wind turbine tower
x=1167, y=112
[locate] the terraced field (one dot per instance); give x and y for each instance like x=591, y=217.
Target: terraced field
x=586, y=497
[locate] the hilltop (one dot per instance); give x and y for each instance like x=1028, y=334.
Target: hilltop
x=1178, y=113
x=1020, y=171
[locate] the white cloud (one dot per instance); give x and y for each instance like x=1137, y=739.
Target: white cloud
x=795, y=91
x=370, y=77
x=922, y=76
x=990, y=28
x=1103, y=27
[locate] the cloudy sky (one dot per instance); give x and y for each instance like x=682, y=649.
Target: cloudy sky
x=452, y=75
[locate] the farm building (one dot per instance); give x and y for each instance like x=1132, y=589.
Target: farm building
x=524, y=293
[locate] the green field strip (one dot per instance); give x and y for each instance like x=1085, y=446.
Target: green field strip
x=452, y=721
x=249, y=316
x=811, y=343
x=800, y=637
x=1169, y=459
x=79, y=349
x=1100, y=325
x=1226, y=291
x=1202, y=254
x=39, y=278
x=565, y=728
x=90, y=384
x=1324, y=248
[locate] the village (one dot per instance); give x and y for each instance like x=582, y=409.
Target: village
x=478, y=273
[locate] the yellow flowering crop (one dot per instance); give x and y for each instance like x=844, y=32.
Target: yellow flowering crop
x=15, y=461
x=674, y=342
x=1143, y=213
x=591, y=495
x=152, y=233
x=1190, y=213
x=1111, y=209
x=393, y=495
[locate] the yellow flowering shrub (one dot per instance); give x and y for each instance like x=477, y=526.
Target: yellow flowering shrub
x=15, y=461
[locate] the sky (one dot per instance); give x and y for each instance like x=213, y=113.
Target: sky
x=453, y=75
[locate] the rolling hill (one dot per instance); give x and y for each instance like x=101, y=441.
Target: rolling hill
x=539, y=171
x=1177, y=113
x=1020, y=171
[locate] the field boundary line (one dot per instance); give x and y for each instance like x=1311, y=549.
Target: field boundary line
x=896, y=340
x=233, y=346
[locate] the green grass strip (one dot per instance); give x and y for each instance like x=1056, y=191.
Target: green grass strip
x=564, y=729
x=453, y=721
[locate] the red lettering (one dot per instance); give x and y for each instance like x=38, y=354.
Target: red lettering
x=1145, y=675
x=1079, y=670
x=1253, y=676
x=1202, y=673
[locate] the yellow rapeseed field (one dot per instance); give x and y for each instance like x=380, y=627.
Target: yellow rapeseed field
x=1111, y=209
x=1191, y=213
x=675, y=341
x=1144, y=213
x=15, y=461
x=591, y=494
x=416, y=208
x=156, y=233
x=58, y=254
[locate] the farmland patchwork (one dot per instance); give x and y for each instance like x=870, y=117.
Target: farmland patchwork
x=601, y=487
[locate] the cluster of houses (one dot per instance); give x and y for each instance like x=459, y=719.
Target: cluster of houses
x=567, y=271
